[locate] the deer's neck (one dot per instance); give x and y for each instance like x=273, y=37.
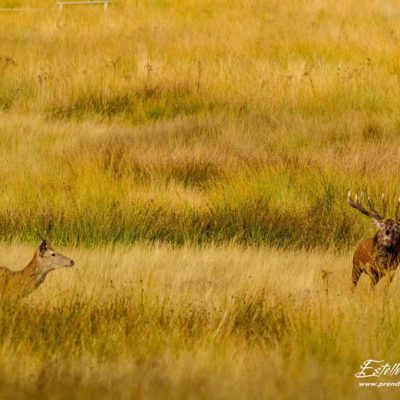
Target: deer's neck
x=386, y=257
x=394, y=250
x=34, y=272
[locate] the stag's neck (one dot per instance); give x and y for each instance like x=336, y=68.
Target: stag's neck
x=34, y=272
x=386, y=257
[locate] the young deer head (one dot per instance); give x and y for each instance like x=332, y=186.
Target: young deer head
x=389, y=229
x=47, y=259
x=18, y=284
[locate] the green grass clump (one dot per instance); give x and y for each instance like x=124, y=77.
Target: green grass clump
x=196, y=180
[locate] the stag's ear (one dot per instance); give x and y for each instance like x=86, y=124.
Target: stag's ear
x=378, y=224
x=42, y=247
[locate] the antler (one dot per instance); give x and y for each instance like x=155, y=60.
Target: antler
x=356, y=203
x=371, y=206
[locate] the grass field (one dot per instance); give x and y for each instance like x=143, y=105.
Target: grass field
x=194, y=157
x=218, y=322
x=193, y=122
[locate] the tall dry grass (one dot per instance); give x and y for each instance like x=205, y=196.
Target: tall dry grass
x=219, y=322
x=197, y=122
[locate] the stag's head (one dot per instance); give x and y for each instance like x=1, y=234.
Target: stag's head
x=49, y=259
x=389, y=229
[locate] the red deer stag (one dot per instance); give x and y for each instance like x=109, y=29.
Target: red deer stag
x=378, y=256
x=21, y=283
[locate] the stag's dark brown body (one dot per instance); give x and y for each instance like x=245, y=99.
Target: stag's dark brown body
x=375, y=261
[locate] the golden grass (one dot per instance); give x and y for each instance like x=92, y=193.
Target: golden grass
x=220, y=322
x=204, y=122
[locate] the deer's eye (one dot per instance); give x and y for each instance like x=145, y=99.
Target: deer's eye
x=53, y=254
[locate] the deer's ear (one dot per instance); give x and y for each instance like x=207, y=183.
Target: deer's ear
x=378, y=224
x=43, y=247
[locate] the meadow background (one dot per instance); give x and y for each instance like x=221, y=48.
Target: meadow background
x=182, y=147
